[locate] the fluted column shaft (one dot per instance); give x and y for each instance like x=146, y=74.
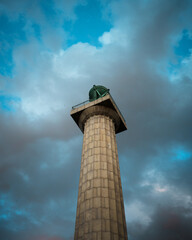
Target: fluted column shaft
x=100, y=209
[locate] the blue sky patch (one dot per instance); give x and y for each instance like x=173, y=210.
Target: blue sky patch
x=182, y=50
x=48, y=10
x=181, y=154
x=6, y=102
x=89, y=26
x=184, y=47
x=37, y=31
x=11, y=34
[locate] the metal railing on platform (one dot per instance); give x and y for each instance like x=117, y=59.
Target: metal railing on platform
x=80, y=104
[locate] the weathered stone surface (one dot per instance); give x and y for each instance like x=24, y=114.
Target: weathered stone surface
x=100, y=209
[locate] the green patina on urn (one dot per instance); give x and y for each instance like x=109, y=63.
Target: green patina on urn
x=97, y=92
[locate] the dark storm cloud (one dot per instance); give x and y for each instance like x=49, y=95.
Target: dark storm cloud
x=41, y=146
x=167, y=223
x=36, y=184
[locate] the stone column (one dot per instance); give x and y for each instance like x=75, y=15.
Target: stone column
x=100, y=209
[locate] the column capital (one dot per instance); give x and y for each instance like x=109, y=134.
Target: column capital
x=98, y=110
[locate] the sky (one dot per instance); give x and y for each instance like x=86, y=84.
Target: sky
x=51, y=54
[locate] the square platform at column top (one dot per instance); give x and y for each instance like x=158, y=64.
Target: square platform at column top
x=106, y=101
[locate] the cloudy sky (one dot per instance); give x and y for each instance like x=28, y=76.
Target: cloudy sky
x=51, y=53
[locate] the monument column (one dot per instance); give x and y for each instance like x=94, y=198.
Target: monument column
x=100, y=209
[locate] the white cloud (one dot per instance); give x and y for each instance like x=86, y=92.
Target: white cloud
x=138, y=212
x=161, y=191
x=115, y=37
x=71, y=64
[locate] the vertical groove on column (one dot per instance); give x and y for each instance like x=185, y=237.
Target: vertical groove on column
x=117, y=190
x=99, y=193
x=118, y=197
x=114, y=190
x=107, y=234
x=123, y=229
x=91, y=200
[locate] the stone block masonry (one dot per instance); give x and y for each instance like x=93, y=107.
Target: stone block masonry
x=100, y=209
